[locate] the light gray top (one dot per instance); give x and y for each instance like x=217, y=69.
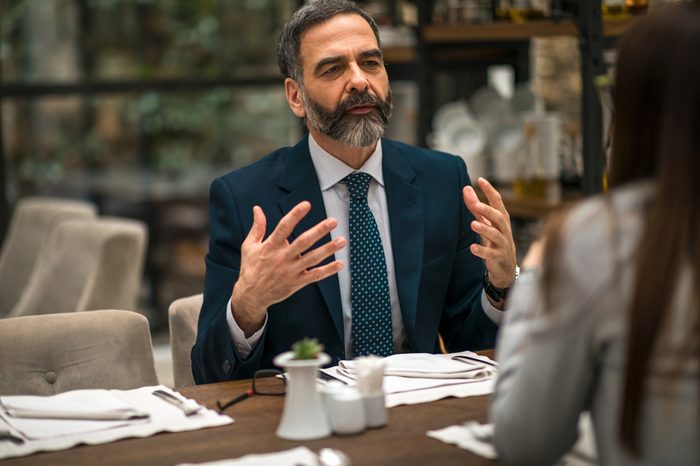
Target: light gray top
x=554, y=366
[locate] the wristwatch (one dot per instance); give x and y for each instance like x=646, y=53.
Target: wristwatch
x=498, y=294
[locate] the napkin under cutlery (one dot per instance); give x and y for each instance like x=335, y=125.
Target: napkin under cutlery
x=42, y=434
x=428, y=366
x=299, y=456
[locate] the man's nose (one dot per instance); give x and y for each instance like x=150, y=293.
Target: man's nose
x=357, y=81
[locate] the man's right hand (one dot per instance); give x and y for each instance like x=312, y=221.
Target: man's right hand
x=273, y=269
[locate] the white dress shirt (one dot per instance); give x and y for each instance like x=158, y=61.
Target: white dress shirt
x=331, y=171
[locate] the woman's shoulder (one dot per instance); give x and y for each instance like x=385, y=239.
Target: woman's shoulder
x=606, y=216
x=601, y=234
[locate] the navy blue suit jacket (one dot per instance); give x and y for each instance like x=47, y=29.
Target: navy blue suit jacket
x=439, y=281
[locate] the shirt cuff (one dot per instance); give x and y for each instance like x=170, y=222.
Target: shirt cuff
x=244, y=346
x=494, y=314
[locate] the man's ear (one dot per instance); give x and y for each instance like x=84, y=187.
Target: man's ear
x=293, y=92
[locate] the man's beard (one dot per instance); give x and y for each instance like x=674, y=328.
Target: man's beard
x=354, y=130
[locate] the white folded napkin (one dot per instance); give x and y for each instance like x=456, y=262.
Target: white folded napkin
x=429, y=366
x=471, y=436
x=300, y=456
x=421, y=378
x=58, y=434
x=478, y=438
x=68, y=413
x=78, y=404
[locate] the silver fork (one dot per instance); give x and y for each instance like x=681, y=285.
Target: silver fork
x=188, y=407
x=7, y=434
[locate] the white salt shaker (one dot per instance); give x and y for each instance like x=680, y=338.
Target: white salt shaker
x=347, y=412
x=375, y=409
x=328, y=391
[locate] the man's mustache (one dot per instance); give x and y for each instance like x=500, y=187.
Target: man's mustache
x=361, y=99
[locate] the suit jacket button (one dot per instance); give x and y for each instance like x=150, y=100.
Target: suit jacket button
x=51, y=377
x=226, y=366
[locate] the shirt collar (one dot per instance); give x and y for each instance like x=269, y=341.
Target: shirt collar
x=331, y=171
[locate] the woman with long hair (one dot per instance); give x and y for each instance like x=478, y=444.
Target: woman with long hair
x=606, y=314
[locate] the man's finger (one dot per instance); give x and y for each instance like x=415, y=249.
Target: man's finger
x=493, y=196
x=486, y=232
x=286, y=225
x=319, y=273
x=478, y=250
x=492, y=216
x=471, y=200
x=319, y=254
x=307, y=239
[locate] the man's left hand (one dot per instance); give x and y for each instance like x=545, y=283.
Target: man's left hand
x=492, y=224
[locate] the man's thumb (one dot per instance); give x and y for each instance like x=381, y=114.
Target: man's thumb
x=257, y=231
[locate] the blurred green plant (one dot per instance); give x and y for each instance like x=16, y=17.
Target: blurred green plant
x=163, y=131
x=307, y=348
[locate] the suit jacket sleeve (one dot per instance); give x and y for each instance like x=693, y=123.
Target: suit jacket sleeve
x=214, y=356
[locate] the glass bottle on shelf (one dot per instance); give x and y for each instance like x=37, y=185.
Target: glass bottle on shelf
x=614, y=8
x=538, y=162
x=529, y=181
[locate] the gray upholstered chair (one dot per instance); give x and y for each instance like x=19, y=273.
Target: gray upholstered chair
x=32, y=222
x=54, y=353
x=183, y=315
x=84, y=265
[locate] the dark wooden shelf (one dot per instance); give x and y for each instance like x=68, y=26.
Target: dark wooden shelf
x=399, y=55
x=530, y=208
x=510, y=32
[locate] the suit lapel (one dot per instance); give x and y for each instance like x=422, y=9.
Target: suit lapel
x=300, y=183
x=406, y=219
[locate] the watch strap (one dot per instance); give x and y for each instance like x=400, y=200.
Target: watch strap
x=498, y=294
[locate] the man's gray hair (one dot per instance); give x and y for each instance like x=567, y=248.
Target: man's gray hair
x=305, y=18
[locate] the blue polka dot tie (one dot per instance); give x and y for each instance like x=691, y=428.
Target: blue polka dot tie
x=369, y=284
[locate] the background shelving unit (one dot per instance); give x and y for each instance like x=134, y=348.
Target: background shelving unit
x=455, y=45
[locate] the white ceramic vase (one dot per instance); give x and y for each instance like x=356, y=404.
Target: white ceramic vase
x=304, y=417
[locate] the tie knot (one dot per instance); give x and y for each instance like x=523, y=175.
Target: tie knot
x=358, y=184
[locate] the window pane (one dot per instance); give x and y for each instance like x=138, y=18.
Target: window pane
x=53, y=141
x=64, y=40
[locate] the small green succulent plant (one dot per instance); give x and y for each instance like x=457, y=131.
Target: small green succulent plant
x=307, y=348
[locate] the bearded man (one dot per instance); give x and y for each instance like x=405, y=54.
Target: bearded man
x=369, y=245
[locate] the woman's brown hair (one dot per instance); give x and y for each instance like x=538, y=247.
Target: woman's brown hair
x=656, y=136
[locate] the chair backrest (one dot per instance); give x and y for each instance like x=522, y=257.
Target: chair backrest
x=183, y=315
x=32, y=223
x=84, y=265
x=54, y=353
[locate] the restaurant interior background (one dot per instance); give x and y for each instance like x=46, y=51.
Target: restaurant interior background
x=137, y=105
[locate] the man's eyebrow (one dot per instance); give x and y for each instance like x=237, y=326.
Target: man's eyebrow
x=372, y=53
x=326, y=61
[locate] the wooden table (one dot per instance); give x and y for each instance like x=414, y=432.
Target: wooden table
x=403, y=442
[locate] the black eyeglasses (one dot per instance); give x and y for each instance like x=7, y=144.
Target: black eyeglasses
x=270, y=382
